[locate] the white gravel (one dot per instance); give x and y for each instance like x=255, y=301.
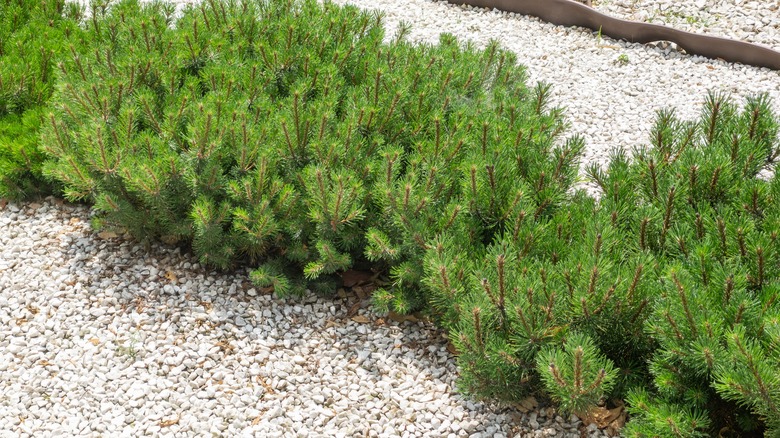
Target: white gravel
x=752, y=21
x=99, y=337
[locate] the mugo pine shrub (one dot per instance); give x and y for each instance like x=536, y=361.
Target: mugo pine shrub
x=33, y=35
x=663, y=293
x=291, y=135
x=695, y=204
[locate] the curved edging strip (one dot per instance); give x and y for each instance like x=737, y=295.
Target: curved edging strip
x=571, y=13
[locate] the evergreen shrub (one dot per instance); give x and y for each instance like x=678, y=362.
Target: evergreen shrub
x=664, y=292
x=33, y=35
x=291, y=136
x=297, y=139
x=701, y=205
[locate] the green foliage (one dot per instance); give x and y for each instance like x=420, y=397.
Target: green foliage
x=651, y=417
x=293, y=137
x=673, y=275
x=20, y=158
x=748, y=374
x=33, y=35
x=226, y=128
x=577, y=376
x=695, y=203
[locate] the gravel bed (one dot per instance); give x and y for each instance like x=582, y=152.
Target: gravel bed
x=752, y=21
x=100, y=337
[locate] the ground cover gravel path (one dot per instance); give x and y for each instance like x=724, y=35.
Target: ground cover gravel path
x=100, y=337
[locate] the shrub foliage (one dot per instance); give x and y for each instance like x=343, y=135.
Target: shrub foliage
x=290, y=134
x=298, y=139
x=33, y=36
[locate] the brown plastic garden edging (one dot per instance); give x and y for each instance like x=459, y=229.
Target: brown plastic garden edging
x=572, y=13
